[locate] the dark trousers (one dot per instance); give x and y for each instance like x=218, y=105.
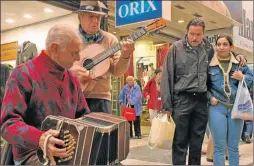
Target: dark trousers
x=99, y=105
x=247, y=129
x=136, y=127
x=32, y=160
x=190, y=115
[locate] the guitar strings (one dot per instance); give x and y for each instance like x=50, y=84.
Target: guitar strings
x=98, y=58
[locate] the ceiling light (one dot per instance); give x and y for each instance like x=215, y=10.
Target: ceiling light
x=179, y=7
x=180, y=21
x=10, y=20
x=48, y=10
x=213, y=22
x=196, y=15
x=27, y=16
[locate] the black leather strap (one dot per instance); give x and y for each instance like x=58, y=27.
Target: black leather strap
x=93, y=8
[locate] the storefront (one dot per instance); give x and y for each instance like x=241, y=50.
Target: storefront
x=242, y=34
x=135, y=14
x=153, y=48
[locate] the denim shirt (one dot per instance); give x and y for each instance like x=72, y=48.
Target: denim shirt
x=216, y=80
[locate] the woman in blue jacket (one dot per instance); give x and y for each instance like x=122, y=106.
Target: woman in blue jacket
x=224, y=76
x=131, y=96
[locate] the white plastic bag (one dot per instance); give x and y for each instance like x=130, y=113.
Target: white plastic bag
x=162, y=132
x=243, y=106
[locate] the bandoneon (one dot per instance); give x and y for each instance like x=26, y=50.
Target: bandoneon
x=94, y=139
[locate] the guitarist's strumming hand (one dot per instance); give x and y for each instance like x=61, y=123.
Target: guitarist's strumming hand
x=127, y=48
x=82, y=73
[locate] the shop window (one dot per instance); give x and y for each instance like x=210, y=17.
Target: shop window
x=115, y=92
x=161, y=53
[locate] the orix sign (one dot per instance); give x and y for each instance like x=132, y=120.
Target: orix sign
x=131, y=11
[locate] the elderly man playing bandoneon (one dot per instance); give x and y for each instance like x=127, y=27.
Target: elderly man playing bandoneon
x=38, y=88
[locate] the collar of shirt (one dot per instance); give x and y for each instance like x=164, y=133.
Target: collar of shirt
x=90, y=39
x=53, y=68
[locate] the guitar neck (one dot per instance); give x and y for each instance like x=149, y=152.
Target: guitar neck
x=107, y=53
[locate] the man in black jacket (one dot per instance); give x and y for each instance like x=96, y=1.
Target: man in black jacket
x=184, y=87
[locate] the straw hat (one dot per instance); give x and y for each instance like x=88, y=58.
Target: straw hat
x=96, y=7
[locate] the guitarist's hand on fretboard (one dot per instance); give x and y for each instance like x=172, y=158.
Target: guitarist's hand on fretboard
x=127, y=48
x=81, y=73
x=99, y=60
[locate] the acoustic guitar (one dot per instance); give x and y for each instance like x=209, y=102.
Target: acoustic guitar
x=98, y=62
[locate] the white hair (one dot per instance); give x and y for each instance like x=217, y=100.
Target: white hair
x=61, y=34
x=130, y=78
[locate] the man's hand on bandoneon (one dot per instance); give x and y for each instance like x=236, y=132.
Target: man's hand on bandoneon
x=52, y=151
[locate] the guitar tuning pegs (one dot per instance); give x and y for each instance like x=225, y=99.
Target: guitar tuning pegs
x=157, y=31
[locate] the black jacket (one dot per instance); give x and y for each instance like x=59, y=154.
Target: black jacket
x=185, y=70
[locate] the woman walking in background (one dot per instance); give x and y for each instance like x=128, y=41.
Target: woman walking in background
x=131, y=96
x=153, y=95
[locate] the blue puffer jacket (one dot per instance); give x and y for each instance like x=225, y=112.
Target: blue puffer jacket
x=135, y=100
x=216, y=80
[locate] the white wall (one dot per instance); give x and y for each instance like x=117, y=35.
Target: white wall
x=36, y=33
x=240, y=40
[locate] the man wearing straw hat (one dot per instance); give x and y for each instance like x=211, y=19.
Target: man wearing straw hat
x=98, y=98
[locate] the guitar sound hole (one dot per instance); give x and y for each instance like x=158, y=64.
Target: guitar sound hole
x=88, y=64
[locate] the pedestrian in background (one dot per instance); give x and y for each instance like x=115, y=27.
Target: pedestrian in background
x=153, y=95
x=131, y=96
x=248, y=125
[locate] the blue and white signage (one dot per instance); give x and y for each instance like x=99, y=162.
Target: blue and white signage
x=134, y=11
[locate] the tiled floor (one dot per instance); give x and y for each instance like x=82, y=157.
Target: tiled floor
x=141, y=154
